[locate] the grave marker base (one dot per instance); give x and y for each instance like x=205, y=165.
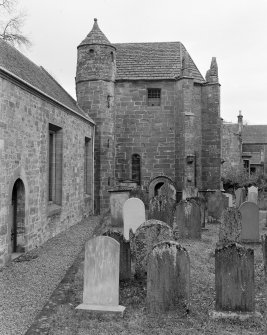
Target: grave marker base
x=242, y=316
x=102, y=308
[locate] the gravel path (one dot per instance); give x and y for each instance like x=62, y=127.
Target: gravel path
x=25, y=286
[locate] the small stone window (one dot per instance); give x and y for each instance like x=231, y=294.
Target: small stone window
x=136, y=168
x=153, y=96
x=91, y=51
x=55, y=157
x=112, y=56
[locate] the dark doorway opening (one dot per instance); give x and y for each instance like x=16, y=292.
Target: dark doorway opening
x=157, y=188
x=18, y=224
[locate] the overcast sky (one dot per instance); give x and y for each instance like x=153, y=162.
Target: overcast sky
x=234, y=31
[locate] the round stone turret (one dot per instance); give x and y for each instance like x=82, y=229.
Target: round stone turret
x=96, y=57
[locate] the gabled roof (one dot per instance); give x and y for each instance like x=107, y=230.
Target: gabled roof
x=17, y=64
x=158, y=60
x=95, y=36
x=254, y=134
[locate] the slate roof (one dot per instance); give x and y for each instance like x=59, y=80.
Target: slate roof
x=254, y=134
x=156, y=60
x=95, y=36
x=15, y=62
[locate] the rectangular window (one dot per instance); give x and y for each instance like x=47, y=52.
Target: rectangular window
x=88, y=161
x=55, y=156
x=153, y=96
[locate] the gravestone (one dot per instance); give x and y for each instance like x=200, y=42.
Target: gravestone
x=230, y=227
x=253, y=194
x=240, y=197
x=234, y=278
x=125, y=253
x=168, y=277
x=117, y=198
x=101, y=275
x=202, y=204
x=133, y=215
x=148, y=234
x=250, y=222
x=162, y=208
x=264, y=252
x=188, y=220
x=216, y=204
x=230, y=199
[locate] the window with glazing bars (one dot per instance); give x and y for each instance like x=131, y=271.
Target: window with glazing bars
x=153, y=96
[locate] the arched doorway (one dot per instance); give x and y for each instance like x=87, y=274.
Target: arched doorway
x=162, y=185
x=18, y=217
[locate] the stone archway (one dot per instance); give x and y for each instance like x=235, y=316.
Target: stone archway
x=157, y=185
x=17, y=235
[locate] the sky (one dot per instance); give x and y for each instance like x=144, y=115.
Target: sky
x=233, y=31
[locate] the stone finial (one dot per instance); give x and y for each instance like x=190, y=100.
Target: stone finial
x=212, y=73
x=186, y=66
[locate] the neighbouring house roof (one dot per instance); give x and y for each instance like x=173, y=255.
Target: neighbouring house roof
x=22, y=67
x=157, y=60
x=254, y=134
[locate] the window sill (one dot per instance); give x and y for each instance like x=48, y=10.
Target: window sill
x=53, y=209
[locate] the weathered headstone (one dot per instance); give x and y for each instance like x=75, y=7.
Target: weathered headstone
x=234, y=278
x=202, y=204
x=125, y=253
x=253, y=194
x=230, y=227
x=264, y=252
x=168, y=277
x=148, y=234
x=230, y=199
x=250, y=222
x=162, y=208
x=133, y=215
x=189, y=192
x=216, y=204
x=118, y=196
x=188, y=220
x=240, y=197
x=101, y=275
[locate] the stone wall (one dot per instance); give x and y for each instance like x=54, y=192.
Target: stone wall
x=24, y=135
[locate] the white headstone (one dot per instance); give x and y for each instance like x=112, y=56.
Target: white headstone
x=230, y=199
x=133, y=215
x=253, y=194
x=101, y=275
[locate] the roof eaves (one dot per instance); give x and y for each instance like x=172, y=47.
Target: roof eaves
x=44, y=94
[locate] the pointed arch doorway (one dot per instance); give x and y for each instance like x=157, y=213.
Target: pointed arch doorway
x=18, y=217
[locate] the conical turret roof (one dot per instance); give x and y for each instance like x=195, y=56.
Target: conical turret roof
x=95, y=36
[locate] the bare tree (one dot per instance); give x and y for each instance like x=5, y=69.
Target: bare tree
x=11, y=23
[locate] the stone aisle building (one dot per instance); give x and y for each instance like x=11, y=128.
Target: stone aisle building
x=46, y=155
x=157, y=122
x=157, y=119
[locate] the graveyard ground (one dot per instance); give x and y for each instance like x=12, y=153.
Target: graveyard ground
x=60, y=317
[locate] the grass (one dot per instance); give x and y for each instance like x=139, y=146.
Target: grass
x=65, y=319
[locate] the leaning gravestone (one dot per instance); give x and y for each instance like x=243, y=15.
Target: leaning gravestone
x=264, y=252
x=234, y=278
x=253, y=194
x=230, y=199
x=133, y=215
x=188, y=220
x=202, y=204
x=216, y=205
x=230, y=227
x=162, y=208
x=148, y=234
x=240, y=197
x=125, y=253
x=101, y=275
x=250, y=222
x=168, y=277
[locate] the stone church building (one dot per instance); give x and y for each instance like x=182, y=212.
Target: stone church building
x=157, y=118
x=144, y=113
